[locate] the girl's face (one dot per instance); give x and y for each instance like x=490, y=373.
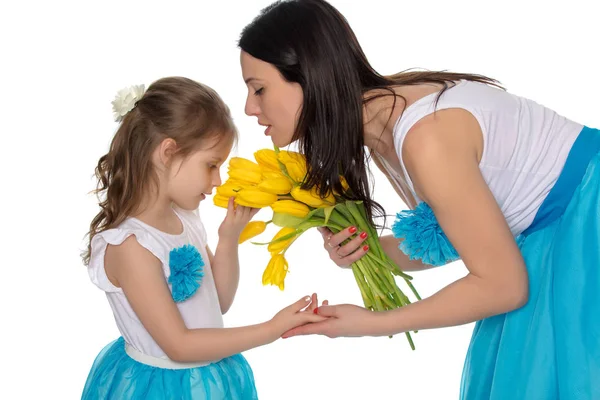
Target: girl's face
x=273, y=100
x=191, y=179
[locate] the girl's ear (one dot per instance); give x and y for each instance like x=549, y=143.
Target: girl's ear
x=166, y=151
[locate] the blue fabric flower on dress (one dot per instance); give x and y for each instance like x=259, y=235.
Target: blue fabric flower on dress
x=186, y=272
x=423, y=236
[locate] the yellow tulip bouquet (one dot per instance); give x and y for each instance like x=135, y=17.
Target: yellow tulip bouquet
x=275, y=181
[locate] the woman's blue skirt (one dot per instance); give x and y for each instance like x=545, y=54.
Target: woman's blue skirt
x=550, y=348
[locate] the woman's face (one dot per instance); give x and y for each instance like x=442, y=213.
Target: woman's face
x=276, y=102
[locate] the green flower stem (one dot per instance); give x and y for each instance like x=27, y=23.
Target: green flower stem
x=281, y=239
x=334, y=227
x=381, y=280
x=374, y=273
x=340, y=218
x=398, y=292
x=319, y=221
x=366, y=288
x=395, y=269
x=381, y=308
x=363, y=212
x=342, y=209
x=374, y=244
x=387, y=266
x=410, y=341
x=311, y=223
x=372, y=239
x=367, y=282
x=391, y=283
x=364, y=225
x=412, y=288
x=378, y=305
x=363, y=291
x=376, y=288
x=406, y=277
x=382, y=277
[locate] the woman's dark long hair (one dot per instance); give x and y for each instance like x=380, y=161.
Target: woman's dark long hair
x=312, y=44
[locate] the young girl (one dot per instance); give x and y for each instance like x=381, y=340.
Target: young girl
x=509, y=186
x=148, y=252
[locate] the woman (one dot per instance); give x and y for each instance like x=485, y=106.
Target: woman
x=514, y=187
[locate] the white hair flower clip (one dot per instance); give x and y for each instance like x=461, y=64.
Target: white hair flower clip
x=125, y=100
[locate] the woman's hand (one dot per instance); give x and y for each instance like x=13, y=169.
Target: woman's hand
x=345, y=320
x=300, y=313
x=344, y=247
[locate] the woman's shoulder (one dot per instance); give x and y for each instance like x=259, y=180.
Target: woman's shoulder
x=453, y=129
x=438, y=140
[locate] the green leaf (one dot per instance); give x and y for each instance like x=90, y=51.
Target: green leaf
x=328, y=211
x=343, y=215
x=286, y=220
x=312, y=223
x=317, y=212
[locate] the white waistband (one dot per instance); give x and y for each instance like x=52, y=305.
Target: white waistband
x=160, y=362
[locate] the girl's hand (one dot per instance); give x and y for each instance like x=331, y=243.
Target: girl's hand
x=344, y=254
x=236, y=219
x=300, y=313
x=345, y=320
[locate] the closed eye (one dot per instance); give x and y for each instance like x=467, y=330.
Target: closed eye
x=259, y=92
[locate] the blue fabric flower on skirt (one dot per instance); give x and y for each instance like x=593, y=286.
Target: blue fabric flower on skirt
x=423, y=236
x=186, y=272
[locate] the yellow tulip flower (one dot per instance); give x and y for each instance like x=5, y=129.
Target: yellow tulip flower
x=280, y=185
x=220, y=201
x=251, y=230
x=312, y=198
x=257, y=198
x=242, y=163
x=344, y=183
x=267, y=158
x=276, y=271
x=329, y=199
x=245, y=175
x=270, y=173
x=230, y=188
x=282, y=245
x=295, y=163
x=345, y=186
x=243, y=203
x=290, y=207
x=306, y=197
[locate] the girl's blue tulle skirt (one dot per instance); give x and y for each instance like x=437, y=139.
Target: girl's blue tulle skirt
x=550, y=348
x=115, y=375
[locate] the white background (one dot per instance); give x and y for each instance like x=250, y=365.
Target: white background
x=62, y=63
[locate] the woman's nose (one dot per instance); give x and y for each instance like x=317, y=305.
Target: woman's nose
x=251, y=108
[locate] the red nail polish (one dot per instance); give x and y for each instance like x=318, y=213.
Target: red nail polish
x=363, y=235
x=365, y=248
x=352, y=229
x=315, y=310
